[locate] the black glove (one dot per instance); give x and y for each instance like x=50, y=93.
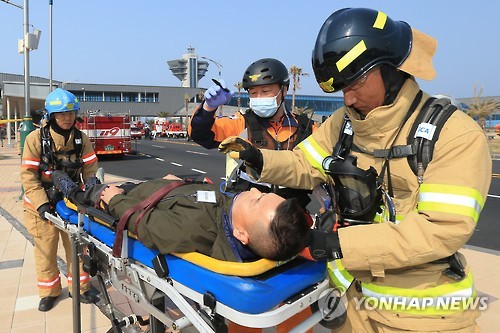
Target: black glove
x=324, y=245
x=326, y=221
x=45, y=208
x=243, y=150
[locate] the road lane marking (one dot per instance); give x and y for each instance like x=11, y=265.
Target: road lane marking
x=157, y=146
x=200, y=171
x=494, y=196
x=176, y=164
x=160, y=159
x=195, y=152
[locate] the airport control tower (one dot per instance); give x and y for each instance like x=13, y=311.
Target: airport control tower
x=188, y=69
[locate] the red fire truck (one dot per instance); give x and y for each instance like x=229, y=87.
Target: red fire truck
x=109, y=133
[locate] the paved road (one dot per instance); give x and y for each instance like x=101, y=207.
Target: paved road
x=155, y=159
x=488, y=227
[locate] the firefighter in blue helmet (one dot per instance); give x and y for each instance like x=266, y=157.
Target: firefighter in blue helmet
x=57, y=145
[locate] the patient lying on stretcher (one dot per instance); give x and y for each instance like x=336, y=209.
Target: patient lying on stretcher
x=199, y=217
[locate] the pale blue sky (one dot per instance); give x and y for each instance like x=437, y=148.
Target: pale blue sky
x=129, y=42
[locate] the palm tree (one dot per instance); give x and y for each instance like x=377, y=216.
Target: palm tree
x=296, y=74
x=239, y=85
x=163, y=114
x=200, y=95
x=304, y=111
x=482, y=108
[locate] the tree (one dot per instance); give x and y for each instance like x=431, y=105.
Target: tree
x=304, y=111
x=163, y=114
x=482, y=108
x=151, y=123
x=200, y=95
x=239, y=85
x=296, y=74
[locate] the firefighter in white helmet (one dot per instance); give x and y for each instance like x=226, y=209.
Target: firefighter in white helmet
x=58, y=145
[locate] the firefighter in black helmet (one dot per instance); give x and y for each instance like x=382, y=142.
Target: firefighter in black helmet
x=356, y=42
x=398, y=266
x=346, y=50
x=267, y=123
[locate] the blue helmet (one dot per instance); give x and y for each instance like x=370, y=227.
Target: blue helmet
x=61, y=100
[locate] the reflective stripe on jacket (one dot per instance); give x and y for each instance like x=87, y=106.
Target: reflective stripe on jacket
x=439, y=300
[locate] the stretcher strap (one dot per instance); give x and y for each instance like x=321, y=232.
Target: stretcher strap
x=146, y=206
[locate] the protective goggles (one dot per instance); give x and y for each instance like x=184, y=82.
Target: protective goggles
x=356, y=194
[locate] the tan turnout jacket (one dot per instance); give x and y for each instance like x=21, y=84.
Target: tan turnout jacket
x=32, y=177
x=435, y=219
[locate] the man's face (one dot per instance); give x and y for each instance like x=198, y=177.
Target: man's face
x=256, y=209
x=266, y=90
x=270, y=90
x=366, y=93
x=65, y=120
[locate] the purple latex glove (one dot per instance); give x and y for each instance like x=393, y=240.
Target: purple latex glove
x=218, y=95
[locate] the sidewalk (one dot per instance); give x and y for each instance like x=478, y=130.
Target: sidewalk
x=18, y=293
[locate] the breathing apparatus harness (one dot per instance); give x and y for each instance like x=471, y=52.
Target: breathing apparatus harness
x=257, y=131
x=357, y=194
x=50, y=161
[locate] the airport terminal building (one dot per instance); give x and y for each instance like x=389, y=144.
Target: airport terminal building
x=139, y=101
x=146, y=101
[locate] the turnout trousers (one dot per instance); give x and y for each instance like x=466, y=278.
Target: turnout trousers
x=46, y=240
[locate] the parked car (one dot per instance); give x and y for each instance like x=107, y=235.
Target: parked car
x=136, y=133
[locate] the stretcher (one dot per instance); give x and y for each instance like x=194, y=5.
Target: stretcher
x=208, y=292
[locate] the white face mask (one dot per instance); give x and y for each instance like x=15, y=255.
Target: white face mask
x=264, y=107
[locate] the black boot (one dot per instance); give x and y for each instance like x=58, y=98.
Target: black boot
x=88, y=297
x=64, y=183
x=46, y=303
x=91, y=182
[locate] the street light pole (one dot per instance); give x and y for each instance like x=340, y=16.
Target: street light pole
x=27, y=124
x=218, y=64
x=50, y=44
x=13, y=4
x=27, y=106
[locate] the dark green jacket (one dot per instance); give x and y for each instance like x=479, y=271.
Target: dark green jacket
x=179, y=223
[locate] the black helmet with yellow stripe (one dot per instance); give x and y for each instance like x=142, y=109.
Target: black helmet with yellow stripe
x=353, y=41
x=265, y=71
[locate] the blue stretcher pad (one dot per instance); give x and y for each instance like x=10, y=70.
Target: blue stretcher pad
x=252, y=295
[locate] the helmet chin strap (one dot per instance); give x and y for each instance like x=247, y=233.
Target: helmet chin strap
x=393, y=81
x=281, y=103
x=282, y=98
